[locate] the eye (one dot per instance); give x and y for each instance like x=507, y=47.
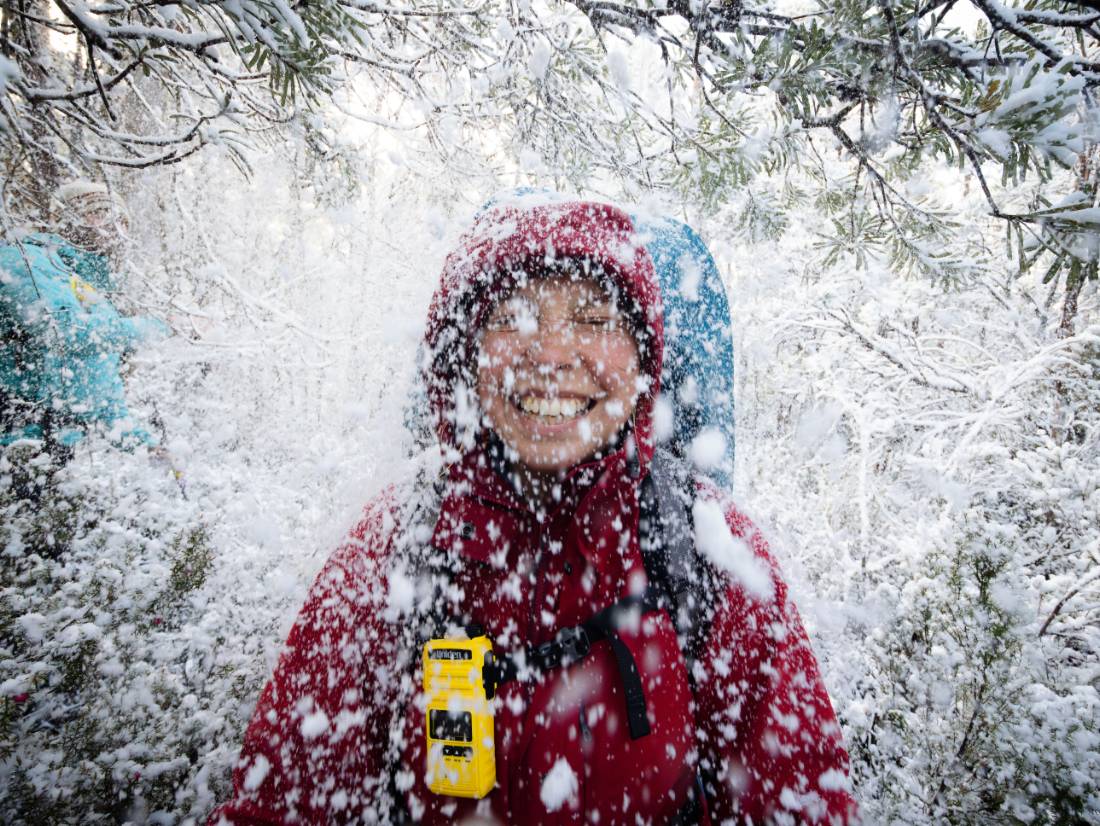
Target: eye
x=598, y=320
x=502, y=323
x=511, y=317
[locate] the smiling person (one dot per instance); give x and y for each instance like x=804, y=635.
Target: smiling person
x=563, y=624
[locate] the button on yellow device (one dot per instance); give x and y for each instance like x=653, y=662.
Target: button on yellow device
x=459, y=724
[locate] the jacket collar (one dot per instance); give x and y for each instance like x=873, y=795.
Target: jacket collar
x=481, y=510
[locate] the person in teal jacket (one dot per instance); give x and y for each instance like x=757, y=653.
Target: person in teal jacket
x=63, y=339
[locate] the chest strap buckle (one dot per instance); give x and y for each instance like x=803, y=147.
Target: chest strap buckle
x=569, y=646
x=575, y=644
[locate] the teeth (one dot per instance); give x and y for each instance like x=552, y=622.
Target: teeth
x=552, y=408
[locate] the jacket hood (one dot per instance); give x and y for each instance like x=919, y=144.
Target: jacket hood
x=521, y=237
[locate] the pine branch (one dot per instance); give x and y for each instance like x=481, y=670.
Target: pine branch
x=865, y=163
x=40, y=95
x=98, y=81
x=1069, y=21
x=995, y=13
x=87, y=28
x=931, y=99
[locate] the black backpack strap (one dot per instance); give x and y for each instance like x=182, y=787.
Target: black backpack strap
x=667, y=534
x=691, y=813
x=604, y=625
x=687, y=586
x=669, y=554
x=571, y=645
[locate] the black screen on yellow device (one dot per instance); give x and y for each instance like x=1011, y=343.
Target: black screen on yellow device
x=445, y=725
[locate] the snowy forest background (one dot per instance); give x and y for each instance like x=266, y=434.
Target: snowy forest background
x=901, y=197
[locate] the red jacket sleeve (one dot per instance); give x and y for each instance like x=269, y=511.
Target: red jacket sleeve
x=771, y=746
x=315, y=747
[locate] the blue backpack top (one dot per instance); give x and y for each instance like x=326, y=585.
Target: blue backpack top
x=697, y=377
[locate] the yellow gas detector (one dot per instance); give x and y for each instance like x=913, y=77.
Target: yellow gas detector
x=459, y=724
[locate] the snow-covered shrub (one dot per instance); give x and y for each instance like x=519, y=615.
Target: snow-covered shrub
x=111, y=677
x=973, y=721
x=929, y=458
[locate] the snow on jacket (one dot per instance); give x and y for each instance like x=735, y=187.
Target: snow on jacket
x=338, y=734
x=63, y=343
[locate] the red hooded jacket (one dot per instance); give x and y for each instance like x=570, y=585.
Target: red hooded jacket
x=338, y=734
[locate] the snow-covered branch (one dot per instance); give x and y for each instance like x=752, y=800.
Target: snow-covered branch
x=891, y=79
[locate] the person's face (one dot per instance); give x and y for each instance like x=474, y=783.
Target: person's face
x=557, y=372
x=98, y=229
